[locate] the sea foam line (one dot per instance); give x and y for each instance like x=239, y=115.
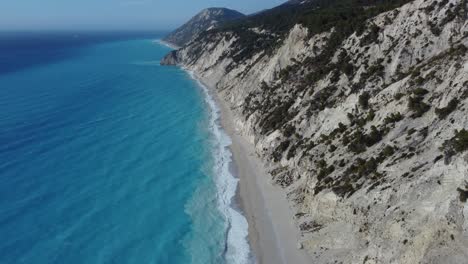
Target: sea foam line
x=237, y=246
x=167, y=44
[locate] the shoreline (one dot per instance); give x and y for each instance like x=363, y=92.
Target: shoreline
x=273, y=236
x=237, y=247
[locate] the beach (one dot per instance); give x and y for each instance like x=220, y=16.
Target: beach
x=273, y=236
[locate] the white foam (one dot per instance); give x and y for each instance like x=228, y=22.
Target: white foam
x=237, y=246
x=167, y=44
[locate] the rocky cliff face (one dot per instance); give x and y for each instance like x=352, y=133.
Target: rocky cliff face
x=206, y=19
x=170, y=59
x=365, y=131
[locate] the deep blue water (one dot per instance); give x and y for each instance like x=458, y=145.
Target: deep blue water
x=107, y=157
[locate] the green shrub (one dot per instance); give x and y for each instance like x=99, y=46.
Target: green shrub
x=340, y=129
x=445, y=111
x=321, y=164
x=416, y=104
x=289, y=130
x=388, y=151
x=345, y=140
x=411, y=131
x=278, y=153
x=376, y=69
x=460, y=140
x=371, y=36
x=424, y=132
x=358, y=141
x=277, y=117
x=434, y=28
x=323, y=98
x=463, y=194
x=457, y=144
x=415, y=72
x=373, y=137
x=344, y=189
x=363, y=167
x=325, y=172
x=420, y=91
x=292, y=151
x=335, y=76
x=420, y=80
x=430, y=7
x=393, y=118
x=398, y=96
x=364, y=100
x=337, y=131
x=370, y=116
x=284, y=73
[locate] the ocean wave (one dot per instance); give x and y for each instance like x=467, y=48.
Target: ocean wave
x=237, y=249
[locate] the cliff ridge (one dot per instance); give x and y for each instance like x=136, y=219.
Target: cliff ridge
x=360, y=114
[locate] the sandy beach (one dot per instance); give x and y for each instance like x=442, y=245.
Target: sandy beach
x=272, y=233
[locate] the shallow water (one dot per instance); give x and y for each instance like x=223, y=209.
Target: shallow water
x=107, y=157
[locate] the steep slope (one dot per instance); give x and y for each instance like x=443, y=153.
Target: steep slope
x=206, y=19
x=361, y=115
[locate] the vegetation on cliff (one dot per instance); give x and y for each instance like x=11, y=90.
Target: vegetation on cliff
x=359, y=109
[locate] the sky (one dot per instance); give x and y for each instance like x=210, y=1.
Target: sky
x=112, y=14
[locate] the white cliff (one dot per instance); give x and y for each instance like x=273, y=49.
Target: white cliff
x=369, y=147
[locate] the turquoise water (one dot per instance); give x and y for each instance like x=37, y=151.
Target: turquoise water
x=107, y=157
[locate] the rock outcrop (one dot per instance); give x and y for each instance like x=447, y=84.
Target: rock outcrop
x=170, y=59
x=207, y=19
x=364, y=126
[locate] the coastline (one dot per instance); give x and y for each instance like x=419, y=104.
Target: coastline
x=237, y=247
x=273, y=236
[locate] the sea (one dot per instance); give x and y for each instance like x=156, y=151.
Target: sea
x=108, y=157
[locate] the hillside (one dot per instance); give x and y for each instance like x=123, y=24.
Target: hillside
x=206, y=19
x=359, y=110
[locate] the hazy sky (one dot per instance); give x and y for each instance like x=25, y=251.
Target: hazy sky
x=112, y=14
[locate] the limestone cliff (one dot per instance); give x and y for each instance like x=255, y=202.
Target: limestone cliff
x=364, y=125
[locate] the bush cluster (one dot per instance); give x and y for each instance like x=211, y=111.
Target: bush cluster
x=324, y=169
x=364, y=100
x=393, y=118
x=358, y=142
x=459, y=142
x=278, y=152
x=417, y=105
x=445, y=111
